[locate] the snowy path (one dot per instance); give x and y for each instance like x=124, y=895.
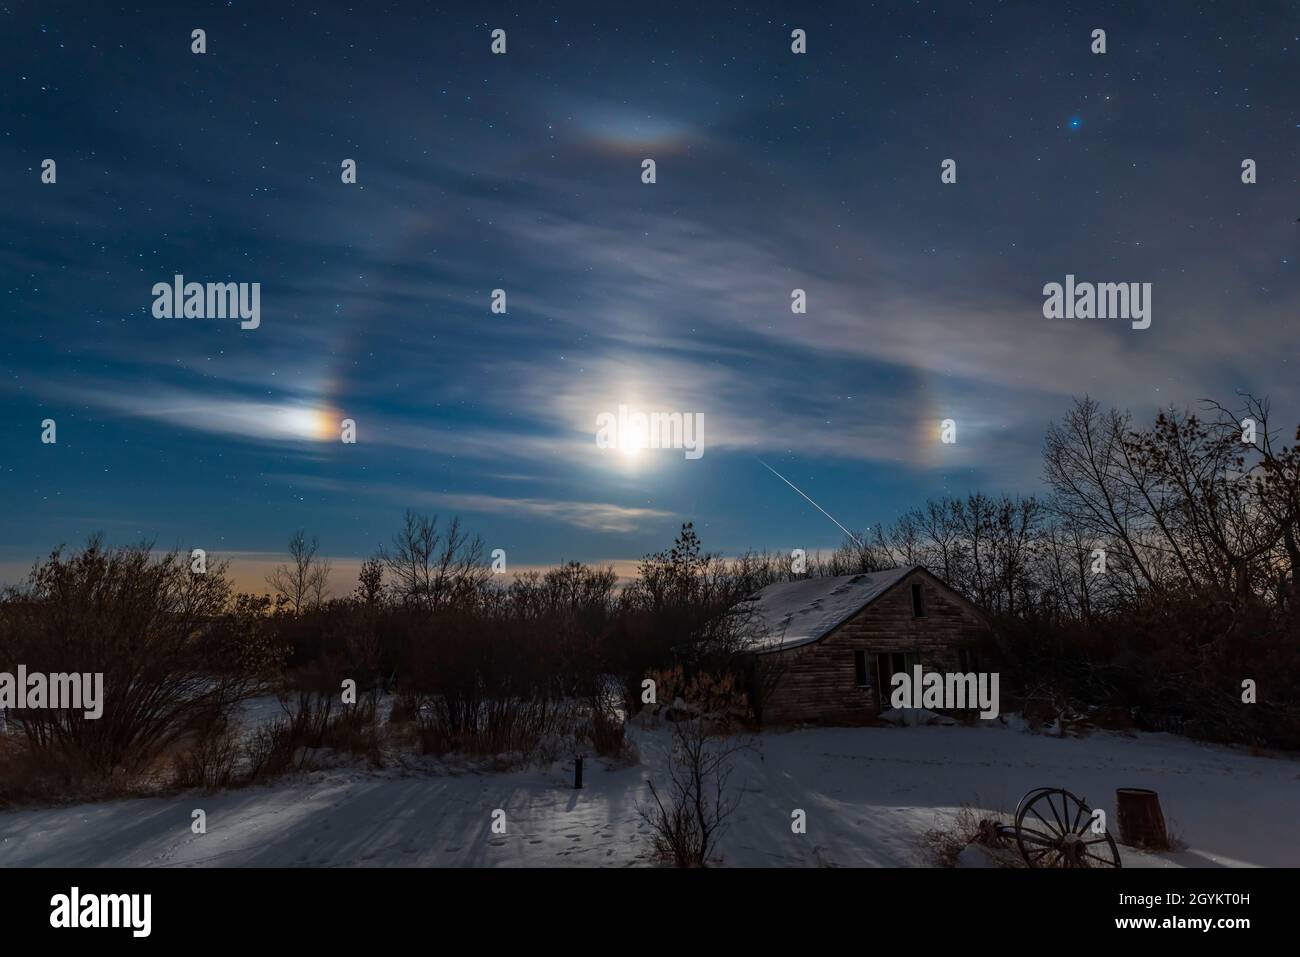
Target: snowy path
x=870, y=794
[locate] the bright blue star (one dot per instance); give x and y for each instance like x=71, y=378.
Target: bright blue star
x=1075, y=123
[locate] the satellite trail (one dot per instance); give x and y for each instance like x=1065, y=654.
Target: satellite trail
x=811, y=502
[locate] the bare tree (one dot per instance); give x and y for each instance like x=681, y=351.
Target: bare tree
x=431, y=569
x=304, y=582
x=1084, y=463
x=1186, y=505
x=1272, y=475
x=939, y=526
x=855, y=555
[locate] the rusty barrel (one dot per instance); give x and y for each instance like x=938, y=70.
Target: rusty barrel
x=1141, y=822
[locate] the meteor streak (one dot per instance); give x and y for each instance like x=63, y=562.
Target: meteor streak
x=811, y=502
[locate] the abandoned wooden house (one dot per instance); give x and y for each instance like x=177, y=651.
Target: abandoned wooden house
x=824, y=649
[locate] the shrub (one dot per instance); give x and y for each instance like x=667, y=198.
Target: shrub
x=607, y=730
x=211, y=761
x=146, y=623
x=269, y=750
x=689, y=812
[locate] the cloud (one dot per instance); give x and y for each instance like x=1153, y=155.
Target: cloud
x=598, y=516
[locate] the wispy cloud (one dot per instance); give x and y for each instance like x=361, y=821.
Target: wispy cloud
x=595, y=516
x=599, y=516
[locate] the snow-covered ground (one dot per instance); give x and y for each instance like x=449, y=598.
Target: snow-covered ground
x=870, y=795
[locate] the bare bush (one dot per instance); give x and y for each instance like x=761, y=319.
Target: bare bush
x=608, y=734
x=268, y=751
x=947, y=839
x=212, y=761
x=497, y=726
x=689, y=812
x=172, y=663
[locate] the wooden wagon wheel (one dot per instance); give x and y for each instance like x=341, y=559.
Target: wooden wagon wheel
x=1054, y=829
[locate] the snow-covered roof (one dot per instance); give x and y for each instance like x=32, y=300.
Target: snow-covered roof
x=788, y=614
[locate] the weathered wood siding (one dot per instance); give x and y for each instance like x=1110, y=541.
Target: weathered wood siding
x=818, y=682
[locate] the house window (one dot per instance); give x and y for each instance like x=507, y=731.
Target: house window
x=860, y=668
x=918, y=601
x=888, y=664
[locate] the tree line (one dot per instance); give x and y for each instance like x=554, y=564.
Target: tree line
x=1152, y=579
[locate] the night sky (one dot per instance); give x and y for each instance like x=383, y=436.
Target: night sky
x=522, y=171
